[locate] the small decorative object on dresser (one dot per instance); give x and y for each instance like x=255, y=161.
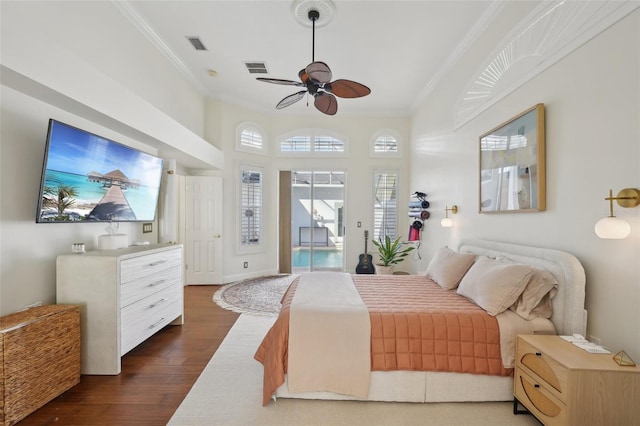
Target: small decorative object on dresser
x=39, y=358
x=125, y=296
x=562, y=384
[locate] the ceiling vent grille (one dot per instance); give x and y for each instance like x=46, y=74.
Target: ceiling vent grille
x=196, y=43
x=256, y=67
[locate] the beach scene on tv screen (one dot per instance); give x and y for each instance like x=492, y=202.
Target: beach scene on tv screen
x=89, y=178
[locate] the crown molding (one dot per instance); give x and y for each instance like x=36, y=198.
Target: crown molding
x=128, y=10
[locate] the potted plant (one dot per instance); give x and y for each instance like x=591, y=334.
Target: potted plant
x=391, y=253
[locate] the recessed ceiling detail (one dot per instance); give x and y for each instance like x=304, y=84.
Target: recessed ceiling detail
x=301, y=8
x=545, y=36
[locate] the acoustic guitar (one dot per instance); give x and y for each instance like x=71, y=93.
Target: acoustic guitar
x=365, y=264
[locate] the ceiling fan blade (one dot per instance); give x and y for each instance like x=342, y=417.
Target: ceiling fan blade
x=319, y=72
x=304, y=77
x=326, y=103
x=280, y=81
x=347, y=89
x=291, y=99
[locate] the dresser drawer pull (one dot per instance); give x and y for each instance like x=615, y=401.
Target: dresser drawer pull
x=153, y=305
x=159, y=262
x=536, y=385
x=156, y=283
x=154, y=325
x=538, y=354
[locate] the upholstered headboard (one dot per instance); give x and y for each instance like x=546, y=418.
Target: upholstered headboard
x=569, y=315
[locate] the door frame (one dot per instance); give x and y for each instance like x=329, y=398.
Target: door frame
x=285, y=219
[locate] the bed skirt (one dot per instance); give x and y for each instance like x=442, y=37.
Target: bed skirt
x=422, y=386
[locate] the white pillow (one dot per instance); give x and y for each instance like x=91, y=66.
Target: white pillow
x=448, y=267
x=494, y=285
x=535, y=300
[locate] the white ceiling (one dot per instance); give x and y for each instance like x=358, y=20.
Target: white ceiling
x=397, y=48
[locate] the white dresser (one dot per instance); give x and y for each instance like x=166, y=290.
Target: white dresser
x=125, y=296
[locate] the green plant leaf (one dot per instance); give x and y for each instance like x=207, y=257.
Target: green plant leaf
x=391, y=253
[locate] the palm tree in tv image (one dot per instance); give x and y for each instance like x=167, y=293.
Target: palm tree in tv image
x=60, y=197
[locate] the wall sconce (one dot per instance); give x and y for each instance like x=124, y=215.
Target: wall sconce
x=446, y=221
x=611, y=227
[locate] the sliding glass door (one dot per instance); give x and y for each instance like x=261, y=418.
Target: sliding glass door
x=317, y=214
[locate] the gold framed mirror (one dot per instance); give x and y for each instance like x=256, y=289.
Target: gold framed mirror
x=512, y=165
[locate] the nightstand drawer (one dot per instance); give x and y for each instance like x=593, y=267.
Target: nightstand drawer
x=542, y=367
x=533, y=395
x=562, y=384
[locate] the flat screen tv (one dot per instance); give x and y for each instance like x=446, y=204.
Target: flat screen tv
x=88, y=178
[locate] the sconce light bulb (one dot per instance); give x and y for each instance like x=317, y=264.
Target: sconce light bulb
x=446, y=222
x=612, y=228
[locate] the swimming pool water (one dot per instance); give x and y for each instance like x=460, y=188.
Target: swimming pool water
x=321, y=258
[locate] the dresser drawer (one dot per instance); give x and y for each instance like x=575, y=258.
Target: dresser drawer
x=142, y=266
x=132, y=291
x=539, y=400
x=542, y=368
x=145, y=317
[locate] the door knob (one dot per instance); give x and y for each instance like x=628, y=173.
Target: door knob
x=216, y=236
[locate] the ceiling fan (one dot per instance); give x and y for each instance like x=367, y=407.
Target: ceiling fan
x=316, y=78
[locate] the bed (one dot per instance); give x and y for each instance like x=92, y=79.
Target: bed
x=487, y=379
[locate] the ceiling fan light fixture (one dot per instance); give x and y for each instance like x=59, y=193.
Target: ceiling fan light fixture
x=316, y=77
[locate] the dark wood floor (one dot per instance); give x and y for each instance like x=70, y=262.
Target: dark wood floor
x=156, y=375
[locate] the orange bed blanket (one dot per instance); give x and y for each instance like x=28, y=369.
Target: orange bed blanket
x=416, y=325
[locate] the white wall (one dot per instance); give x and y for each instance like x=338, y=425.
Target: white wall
x=592, y=100
x=30, y=33
x=85, y=29
x=28, y=250
x=221, y=122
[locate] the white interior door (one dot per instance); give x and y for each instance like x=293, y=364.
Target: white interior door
x=203, y=249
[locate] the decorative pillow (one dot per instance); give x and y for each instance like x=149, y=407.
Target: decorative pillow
x=494, y=285
x=448, y=267
x=535, y=300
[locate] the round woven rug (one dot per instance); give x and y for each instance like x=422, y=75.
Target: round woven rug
x=257, y=296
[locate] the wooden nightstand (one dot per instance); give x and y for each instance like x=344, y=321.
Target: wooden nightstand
x=562, y=384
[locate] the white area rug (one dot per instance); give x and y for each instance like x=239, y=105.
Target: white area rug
x=229, y=392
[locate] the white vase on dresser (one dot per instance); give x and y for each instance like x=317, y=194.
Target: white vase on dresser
x=125, y=296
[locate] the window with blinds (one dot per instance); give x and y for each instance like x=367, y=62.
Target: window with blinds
x=385, y=205
x=296, y=144
x=250, y=138
x=313, y=141
x=385, y=144
x=250, y=207
x=327, y=144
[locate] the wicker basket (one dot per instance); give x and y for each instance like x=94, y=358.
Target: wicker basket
x=39, y=358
